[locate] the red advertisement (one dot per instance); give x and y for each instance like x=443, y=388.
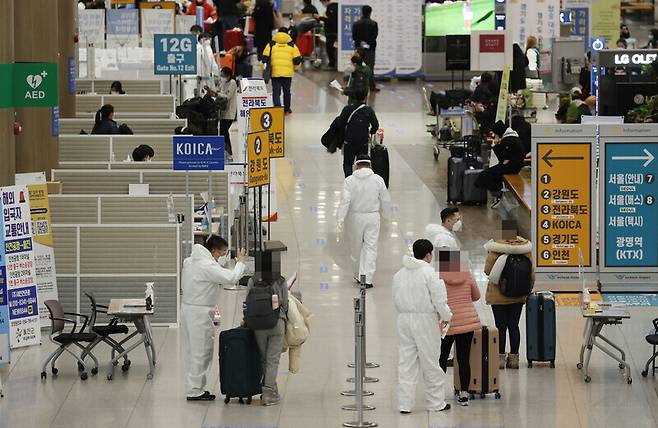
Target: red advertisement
x=492, y=43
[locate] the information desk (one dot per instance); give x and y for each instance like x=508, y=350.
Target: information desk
x=134, y=310
x=597, y=318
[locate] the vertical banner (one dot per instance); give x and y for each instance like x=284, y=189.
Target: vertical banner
x=605, y=18
x=24, y=329
x=4, y=308
x=184, y=23
x=581, y=12
x=122, y=27
x=91, y=27
x=156, y=21
x=348, y=14
x=501, y=112
x=539, y=18
x=42, y=238
x=408, y=35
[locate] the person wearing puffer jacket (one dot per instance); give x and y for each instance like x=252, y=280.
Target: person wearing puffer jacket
x=462, y=292
x=506, y=310
x=297, y=331
x=283, y=56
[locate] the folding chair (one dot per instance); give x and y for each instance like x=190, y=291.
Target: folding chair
x=65, y=340
x=104, y=332
x=652, y=339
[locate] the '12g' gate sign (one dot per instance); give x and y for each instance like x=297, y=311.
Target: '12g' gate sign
x=174, y=54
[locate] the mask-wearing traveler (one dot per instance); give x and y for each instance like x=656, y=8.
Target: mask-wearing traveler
x=116, y=88
x=443, y=235
x=228, y=88
x=201, y=278
x=363, y=200
x=359, y=122
x=420, y=299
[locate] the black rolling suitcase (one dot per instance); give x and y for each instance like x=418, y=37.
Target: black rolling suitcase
x=540, y=328
x=460, y=188
x=240, y=370
x=380, y=165
x=471, y=194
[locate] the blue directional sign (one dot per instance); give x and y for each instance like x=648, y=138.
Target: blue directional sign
x=174, y=54
x=630, y=204
x=198, y=153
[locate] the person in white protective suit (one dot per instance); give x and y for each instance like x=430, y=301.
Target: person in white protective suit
x=201, y=278
x=421, y=301
x=364, y=198
x=207, y=66
x=443, y=235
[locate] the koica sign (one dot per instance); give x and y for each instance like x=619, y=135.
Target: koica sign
x=492, y=43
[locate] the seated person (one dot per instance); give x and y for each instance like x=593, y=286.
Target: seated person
x=104, y=123
x=116, y=89
x=510, y=153
x=143, y=153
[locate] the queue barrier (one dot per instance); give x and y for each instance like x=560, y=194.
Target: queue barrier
x=146, y=126
x=131, y=87
x=127, y=106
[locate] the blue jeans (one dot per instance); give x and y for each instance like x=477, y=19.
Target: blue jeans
x=278, y=84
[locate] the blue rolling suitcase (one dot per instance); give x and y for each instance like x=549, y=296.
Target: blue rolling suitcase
x=240, y=370
x=540, y=328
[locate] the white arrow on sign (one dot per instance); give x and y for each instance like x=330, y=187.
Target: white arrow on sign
x=648, y=158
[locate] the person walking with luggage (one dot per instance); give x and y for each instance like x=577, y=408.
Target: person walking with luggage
x=420, y=299
x=361, y=79
x=507, y=311
x=229, y=88
x=269, y=325
x=365, y=199
x=443, y=235
x=359, y=122
x=364, y=34
x=510, y=153
x=462, y=292
x=202, y=275
x=330, y=20
x=283, y=57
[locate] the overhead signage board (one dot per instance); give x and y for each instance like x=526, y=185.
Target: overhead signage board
x=174, y=54
x=198, y=153
x=271, y=120
x=563, y=205
x=628, y=208
x=626, y=58
x=258, y=165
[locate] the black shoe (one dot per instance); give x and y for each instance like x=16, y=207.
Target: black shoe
x=206, y=396
x=369, y=285
x=405, y=412
x=451, y=363
x=375, y=89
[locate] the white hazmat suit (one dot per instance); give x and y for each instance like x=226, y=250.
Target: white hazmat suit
x=420, y=298
x=365, y=198
x=201, y=278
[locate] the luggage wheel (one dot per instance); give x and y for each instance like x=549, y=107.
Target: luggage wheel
x=497, y=395
x=529, y=364
x=227, y=399
x=249, y=400
x=579, y=366
x=553, y=364
x=435, y=149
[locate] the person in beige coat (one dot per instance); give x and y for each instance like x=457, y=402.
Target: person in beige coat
x=506, y=310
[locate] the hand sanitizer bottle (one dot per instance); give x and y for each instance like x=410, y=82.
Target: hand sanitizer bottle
x=149, y=296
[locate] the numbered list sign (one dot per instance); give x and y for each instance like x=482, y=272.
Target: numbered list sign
x=270, y=120
x=174, y=54
x=258, y=154
x=23, y=302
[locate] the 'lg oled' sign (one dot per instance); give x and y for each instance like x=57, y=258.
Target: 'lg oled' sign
x=635, y=59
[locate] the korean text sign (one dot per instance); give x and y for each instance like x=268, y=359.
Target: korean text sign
x=4, y=308
x=271, y=120
x=174, y=54
x=258, y=165
x=20, y=269
x=349, y=14
x=198, y=153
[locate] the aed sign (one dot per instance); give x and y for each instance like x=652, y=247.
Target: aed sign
x=270, y=120
x=174, y=54
x=198, y=153
x=258, y=159
x=29, y=84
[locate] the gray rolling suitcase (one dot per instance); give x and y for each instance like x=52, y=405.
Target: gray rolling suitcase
x=540, y=328
x=471, y=193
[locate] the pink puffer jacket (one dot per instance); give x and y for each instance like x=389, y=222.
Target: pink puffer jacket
x=462, y=292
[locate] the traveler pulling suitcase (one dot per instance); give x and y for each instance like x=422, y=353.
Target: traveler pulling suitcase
x=379, y=157
x=540, y=328
x=484, y=362
x=240, y=370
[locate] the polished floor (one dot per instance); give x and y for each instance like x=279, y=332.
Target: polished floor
x=309, y=183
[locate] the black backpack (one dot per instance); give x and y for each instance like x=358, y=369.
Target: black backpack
x=357, y=128
x=258, y=312
x=516, y=278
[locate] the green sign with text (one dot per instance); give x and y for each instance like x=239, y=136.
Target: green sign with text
x=28, y=84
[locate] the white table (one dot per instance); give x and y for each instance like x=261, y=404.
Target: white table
x=134, y=310
x=606, y=314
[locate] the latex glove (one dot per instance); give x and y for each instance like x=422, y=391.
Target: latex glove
x=242, y=256
x=339, y=227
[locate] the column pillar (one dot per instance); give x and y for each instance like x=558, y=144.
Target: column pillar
x=66, y=31
x=36, y=40
x=7, y=141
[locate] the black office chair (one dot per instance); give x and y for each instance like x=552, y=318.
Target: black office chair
x=104, y=332
x=652, y=339
x=65, y=340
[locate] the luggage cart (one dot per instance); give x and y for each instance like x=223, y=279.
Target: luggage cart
x=449, y=122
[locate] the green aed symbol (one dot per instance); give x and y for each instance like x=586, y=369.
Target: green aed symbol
x=31, y=84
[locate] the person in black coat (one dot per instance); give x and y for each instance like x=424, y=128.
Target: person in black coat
x=359, y=122
x=364, y=34
x=330, y=20
x=104, y=123
x=263, y=15
x=517, y=75
x=510, y=153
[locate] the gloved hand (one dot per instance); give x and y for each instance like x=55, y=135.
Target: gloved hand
x=339, y=227
x=242, y=255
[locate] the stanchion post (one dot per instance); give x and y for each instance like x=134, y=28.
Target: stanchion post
x=367, y=365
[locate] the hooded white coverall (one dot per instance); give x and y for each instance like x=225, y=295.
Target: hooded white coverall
x=364, y=197
x=420, y=298
x=201, y=278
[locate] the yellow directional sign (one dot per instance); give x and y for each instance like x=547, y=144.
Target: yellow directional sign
x=564, y=204
x=258, y=166
x=270, y=119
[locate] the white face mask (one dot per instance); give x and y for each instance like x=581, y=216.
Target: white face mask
x=457, y=227
x=223, y=79
x=115, y=93
x=205, y=42
x=223, y=260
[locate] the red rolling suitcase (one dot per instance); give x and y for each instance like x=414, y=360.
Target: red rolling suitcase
x=233, y=38
x=305, y=43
